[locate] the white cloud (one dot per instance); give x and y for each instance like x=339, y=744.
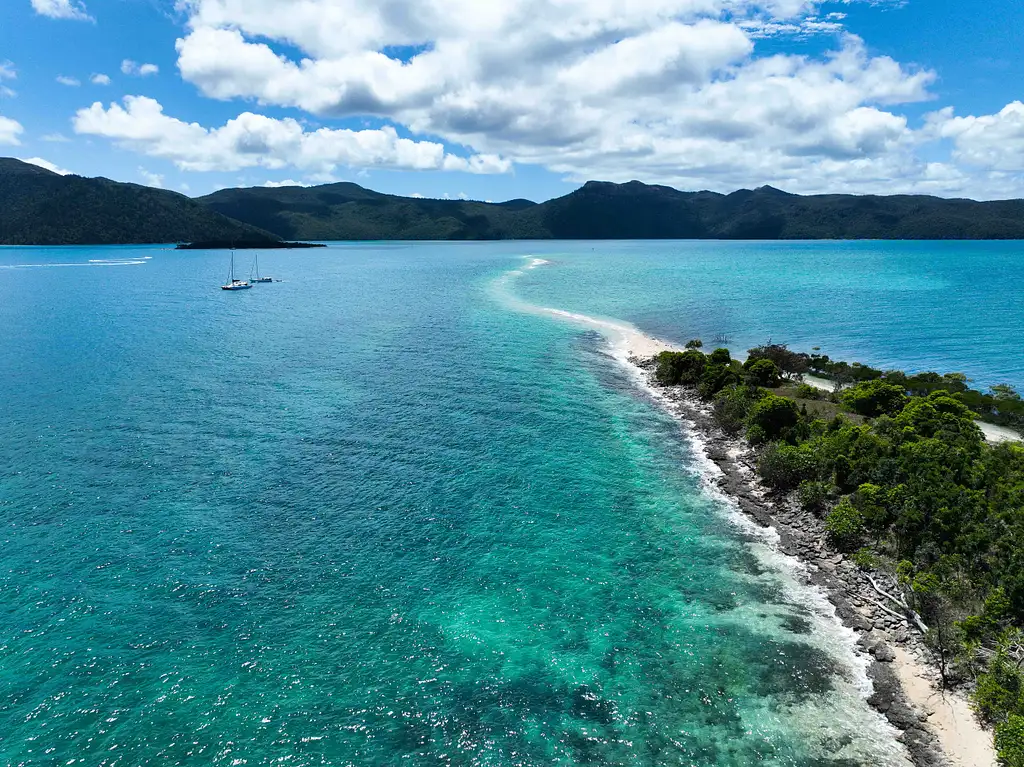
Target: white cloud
x=280, y=184
x=252, y=140
x=56, y=138
x=9, y=131
x=154, y=180
x=61, y=9
x=100, y=79
x=70, y=81
x=670, y=91
x=130, y=67
x=992, y=142
x=7, y=72
x=46, y=164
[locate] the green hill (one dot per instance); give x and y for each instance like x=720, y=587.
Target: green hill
x=601, y=210
x=347, y=211
x=38, y=207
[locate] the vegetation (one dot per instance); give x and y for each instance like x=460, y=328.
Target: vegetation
x=906, y=483
x=874, y=398
x=615, y=211
x=1000, y=405
x=43, y=208
x=762, y=373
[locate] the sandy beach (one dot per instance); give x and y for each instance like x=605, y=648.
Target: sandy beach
x=963, y=741
x=937, y=728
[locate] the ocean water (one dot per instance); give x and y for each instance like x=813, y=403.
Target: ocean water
x=383, y=513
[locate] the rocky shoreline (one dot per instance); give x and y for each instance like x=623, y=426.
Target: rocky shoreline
x=802, y=535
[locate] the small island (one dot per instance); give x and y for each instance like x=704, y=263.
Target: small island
x=909, y=519
x=247, y=245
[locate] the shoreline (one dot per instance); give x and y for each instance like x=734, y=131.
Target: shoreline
x=936, y=728
x=994, y=433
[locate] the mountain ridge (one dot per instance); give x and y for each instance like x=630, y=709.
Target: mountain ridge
x=607, y=210
x=38, y=206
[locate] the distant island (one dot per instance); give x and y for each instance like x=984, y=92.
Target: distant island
x=38, y=207
x=247, y=245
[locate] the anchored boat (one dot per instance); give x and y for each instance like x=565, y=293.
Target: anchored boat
x=256, y=271
x=233, y=283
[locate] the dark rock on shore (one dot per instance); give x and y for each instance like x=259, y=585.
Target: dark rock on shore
x=802, y=535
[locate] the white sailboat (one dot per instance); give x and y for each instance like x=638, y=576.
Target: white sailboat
x=233, y=283
x=256, y=272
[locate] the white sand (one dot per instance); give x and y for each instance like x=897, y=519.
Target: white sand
x=964, y=741
x=819, y=383
x=993, y=433
x=997, y=434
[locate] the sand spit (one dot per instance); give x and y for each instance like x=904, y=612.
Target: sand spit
x=938, y=729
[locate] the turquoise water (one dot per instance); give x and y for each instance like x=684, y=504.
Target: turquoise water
x=375, y=514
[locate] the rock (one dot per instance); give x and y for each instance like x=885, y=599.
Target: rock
x=883, y=653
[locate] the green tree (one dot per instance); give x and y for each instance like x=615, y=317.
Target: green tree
x=874, y=398
x=763, y=373
x=1009, y=741
x=714, y=379
x=732, y=406
x=680, y=368
x=773, y=415
x=720, y=357
x=1005, y=393
x=845, y=526
x=784, y=467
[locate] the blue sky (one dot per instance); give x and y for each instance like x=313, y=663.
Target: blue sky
x=529, y=99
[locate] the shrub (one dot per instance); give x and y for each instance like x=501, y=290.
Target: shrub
x=732, y=405
x=790, y=363
x=675, y=368
x=845, y=526
x=763, y=373
x=806, y=391
x=874, y=398
x=1010, y=741
x=783, y=467
x=696, y=343
x=756, y=435
x=774, y=414
x=865, y=559
x=719, y=357
x=714, y=379
x=1000, y=690
x=814, y=495
x=873, y=504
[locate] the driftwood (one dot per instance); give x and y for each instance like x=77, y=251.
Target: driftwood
x=885, y=609
x=908, y=612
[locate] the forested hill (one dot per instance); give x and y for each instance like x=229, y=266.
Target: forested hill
x=44, y=208
x=601, y=210
x=38, y=207
x=347, y=211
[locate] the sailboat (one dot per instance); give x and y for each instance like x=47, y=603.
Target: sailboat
x=256, y=271
x=232, y=283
